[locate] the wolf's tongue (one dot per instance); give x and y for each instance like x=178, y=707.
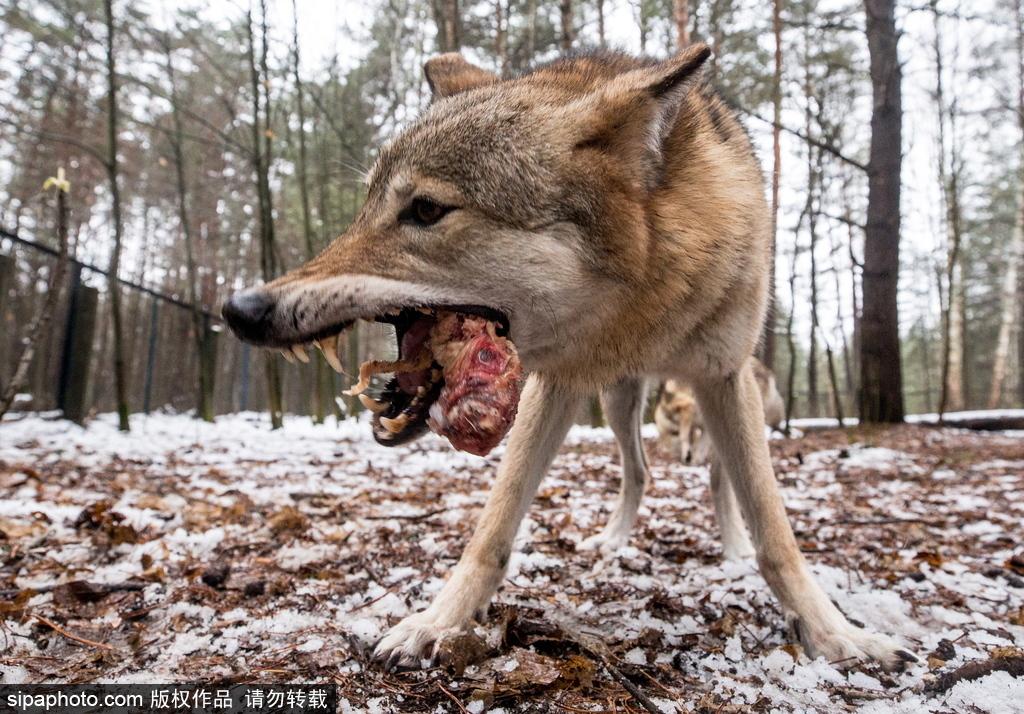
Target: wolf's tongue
x=482, y=381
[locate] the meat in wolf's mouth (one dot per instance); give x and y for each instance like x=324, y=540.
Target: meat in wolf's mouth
x=457, y=373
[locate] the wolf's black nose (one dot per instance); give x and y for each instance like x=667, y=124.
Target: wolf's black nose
x=248, y=312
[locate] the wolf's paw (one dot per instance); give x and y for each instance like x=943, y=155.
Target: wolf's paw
x=740, y=551
x=844, y=644
x=415, y=639
x=607, y=542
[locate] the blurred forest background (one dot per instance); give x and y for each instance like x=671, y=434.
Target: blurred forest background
x=207, y=148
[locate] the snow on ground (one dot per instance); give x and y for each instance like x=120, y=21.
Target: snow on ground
x=187, y=551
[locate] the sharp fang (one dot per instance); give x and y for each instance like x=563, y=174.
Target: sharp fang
x=329, y=349
x=288, y=356
x=300, y=353
x=372, y=404
x=394, y=425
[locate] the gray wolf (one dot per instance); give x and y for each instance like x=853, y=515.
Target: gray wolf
x=609, y=214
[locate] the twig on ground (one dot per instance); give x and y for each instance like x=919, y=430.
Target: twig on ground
x=71, y=636
x=453, y=698
x=407, y=517
x=976, y=670
x=634, y=690
x=383, y=595
x=97, y=588
x=594, y=649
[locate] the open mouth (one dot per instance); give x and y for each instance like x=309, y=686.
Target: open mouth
x=456, y=373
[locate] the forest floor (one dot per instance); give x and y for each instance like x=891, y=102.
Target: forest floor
x=227, y=553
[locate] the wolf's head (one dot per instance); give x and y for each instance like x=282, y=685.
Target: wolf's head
x=676, y=416
x=522, y=200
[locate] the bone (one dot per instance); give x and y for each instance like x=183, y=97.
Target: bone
x=394, y=425
x=372, y=367
x=372, y=404
x=328, y=347
x=300, y=353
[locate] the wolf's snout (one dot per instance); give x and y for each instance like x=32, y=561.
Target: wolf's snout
x=247, y=313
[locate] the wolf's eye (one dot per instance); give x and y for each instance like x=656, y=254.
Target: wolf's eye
x=423, y=212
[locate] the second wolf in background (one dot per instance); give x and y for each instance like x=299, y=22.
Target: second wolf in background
x=681, y=428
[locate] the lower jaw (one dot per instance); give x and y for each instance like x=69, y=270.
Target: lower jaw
x=406, y=414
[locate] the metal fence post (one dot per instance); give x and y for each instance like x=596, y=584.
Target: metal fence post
x=244, y=395
x=73, y=387
x=208, y=365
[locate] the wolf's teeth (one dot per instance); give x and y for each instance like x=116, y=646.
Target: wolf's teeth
x=288, y=356
x=394, y=425
x=329, y=349
x=300, y=353
x=372, y=404
x=420, y=391
x=437, y=415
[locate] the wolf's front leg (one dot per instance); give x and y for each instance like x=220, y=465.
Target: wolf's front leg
x=732, y=411
x=545, y=414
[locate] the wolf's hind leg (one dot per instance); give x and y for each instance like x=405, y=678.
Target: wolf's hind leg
x=623, y=405
x=545, y=413
x=736, y=543
x=732, y=411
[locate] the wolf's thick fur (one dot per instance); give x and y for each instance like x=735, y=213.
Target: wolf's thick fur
x=613, y=209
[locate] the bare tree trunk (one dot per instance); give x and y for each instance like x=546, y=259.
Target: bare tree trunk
x=449, y=30
x=602, y=41
x=643, y=23
x=501, y=37
x=265, y=214
x=768, y=335
x=321, y=376
x=951, y=393
x=38, y=329
x=790, y=341
x=812, y=209
x=1016, y=258
x=837, y=395
x=204, y=404
x=120, y=368
x=881, y=377
x=531, y=30
x=681, y=16
x=1020, y=337
x=568, y=31
x=813, y=406
x=1001, y=357
x=955, y=381
x=1020, y=276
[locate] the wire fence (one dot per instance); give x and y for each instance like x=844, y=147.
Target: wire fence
x=73, y=367
x=72, y=370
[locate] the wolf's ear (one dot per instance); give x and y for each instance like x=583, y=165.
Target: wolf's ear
x=640, y=107
x=450, y=74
